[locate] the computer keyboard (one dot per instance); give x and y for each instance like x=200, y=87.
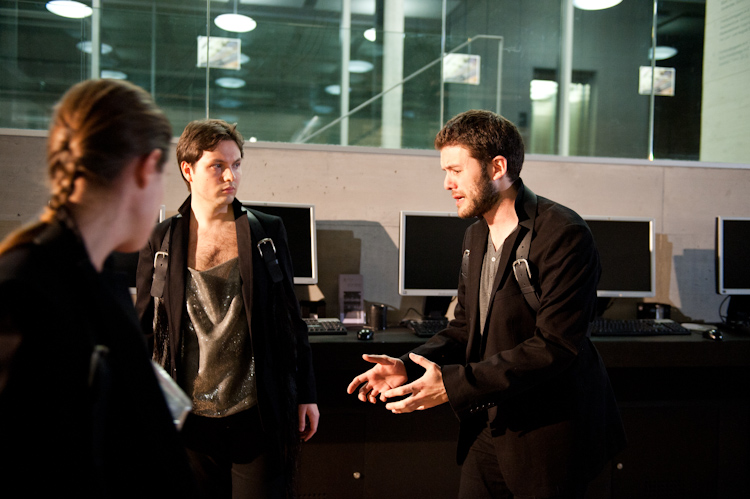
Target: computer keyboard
x=426, y=328
x=324, y=326
x=636, y=327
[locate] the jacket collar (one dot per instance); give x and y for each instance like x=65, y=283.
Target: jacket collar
x=184, y=209
x=525, y=205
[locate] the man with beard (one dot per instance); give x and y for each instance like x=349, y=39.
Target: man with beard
x=537, y=412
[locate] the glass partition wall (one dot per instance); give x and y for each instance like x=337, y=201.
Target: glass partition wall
x=625, y=81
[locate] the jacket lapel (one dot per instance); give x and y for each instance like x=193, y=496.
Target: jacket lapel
x=477, y=245
x=247, y=250
x=478, y=248
x=174, y=292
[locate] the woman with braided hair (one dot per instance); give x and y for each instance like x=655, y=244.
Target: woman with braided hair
x=81, y=410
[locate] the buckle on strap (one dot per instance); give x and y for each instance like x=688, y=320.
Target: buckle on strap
x=521, y=262
x=265, y=241
x=158, y=254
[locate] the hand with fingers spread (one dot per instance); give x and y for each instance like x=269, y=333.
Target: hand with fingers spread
x=388, y=373
x=424, y=393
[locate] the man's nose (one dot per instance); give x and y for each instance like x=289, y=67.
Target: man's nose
x=448, y=184
x=228, y=175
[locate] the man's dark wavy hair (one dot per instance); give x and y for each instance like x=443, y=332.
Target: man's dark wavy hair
x=486, y=135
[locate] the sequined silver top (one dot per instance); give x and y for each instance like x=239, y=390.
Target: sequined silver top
x=219, y=372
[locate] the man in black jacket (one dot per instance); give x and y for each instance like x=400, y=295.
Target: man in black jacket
x=227, y=325
x=538, y=416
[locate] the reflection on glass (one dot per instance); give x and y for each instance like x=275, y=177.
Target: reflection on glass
x=282, y=80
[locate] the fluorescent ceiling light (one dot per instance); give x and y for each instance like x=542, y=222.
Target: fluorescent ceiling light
x=86, y=47
x=236, y=23
x=334, y=89
x=360, y=66
x=228, y=82
x=72, y=10
x=595, y=4
x=229, y=103
x=371, y=35
x=322, y=109
x=662, y=53
x=113, y=75
x=244, y=59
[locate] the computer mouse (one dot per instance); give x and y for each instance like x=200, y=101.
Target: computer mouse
x=713, y=334
x=364, y=334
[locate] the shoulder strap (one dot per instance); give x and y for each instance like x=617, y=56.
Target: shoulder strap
x=521, y=268
x=161, y=263
x=266, y=248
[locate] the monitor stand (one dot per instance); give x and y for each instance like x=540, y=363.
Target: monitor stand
x=436, y=306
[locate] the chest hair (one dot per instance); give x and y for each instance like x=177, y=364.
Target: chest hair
x=212, y=246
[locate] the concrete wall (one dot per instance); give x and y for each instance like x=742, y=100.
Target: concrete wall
x=359, y=192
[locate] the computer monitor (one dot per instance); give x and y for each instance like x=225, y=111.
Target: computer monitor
x=732, y=259
x=299, y=221
x=627, y=252
x=429, y=253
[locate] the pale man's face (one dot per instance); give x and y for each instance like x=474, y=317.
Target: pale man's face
x=215, y=177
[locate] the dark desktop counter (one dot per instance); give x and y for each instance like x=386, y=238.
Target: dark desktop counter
x=691, y=350
x=685, y=402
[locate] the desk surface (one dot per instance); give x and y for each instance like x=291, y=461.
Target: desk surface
x=644, y=351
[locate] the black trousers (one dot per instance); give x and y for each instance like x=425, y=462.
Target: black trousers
x=481, y=476
x=233, y=458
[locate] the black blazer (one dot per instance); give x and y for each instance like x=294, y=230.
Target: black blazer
x=91, y=421
x=536, y=377
x=256, y=293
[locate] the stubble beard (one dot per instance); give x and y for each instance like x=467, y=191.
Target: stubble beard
x=481, y=198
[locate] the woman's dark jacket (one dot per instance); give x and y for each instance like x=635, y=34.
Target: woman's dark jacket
x=81, y=411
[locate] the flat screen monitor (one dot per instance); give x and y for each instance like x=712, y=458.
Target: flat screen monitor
x=627, y=251
x=733, y=255
x=299, y=221
x=429, y=254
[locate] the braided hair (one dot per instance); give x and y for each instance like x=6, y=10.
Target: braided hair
x=98, y=128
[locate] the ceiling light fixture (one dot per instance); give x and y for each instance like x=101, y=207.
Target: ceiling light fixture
x=370, y=34
x=661, y=53
x=356, y=66
x=71, y=10
x=228, y=82
x=113, y=75
x=87, y=47
x=595, y=4
x=236, y=23
x=335, y=89
x=229, y=103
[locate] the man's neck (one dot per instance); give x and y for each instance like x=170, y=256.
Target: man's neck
x=504, y=210
x=207, y=215
x=502, y=218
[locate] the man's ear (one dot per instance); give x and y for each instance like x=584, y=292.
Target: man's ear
x=147, y=167
x=187, y=171
x=499, y=167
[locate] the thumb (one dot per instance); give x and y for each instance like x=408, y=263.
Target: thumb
x=419, y=360
x=378, y=359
